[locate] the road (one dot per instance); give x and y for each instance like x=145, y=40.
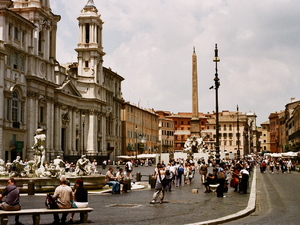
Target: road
x=278, y=200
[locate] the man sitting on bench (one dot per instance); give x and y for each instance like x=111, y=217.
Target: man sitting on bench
x=12, y=198
x=63, y=195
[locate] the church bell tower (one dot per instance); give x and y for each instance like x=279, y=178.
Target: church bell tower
x=90, y=51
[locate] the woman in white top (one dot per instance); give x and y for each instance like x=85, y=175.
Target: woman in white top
x=159, y=191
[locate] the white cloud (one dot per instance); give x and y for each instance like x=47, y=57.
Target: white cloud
x=150, y=44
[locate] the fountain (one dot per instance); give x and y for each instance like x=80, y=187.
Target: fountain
x=45, y=179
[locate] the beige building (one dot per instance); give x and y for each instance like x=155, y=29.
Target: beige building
x=78, y=105
x=139, y=130
x=265, y=136
x=232, y=130
x=166, y=132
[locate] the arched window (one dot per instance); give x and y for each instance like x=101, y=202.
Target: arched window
x=14, y=109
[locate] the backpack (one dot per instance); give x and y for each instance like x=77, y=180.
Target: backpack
x=50, y=202
x=221, y=175
x=180, y=170
x=168, y=172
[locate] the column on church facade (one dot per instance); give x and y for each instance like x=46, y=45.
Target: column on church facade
x=57, y=129
x=31, y=121
x=73, y=128
x=49, y=122
x=103, y=132
x=91, y=132
x=69, y=132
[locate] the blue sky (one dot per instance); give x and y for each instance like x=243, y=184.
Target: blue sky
x=150, y=44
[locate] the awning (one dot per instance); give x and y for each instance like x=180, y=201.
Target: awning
x=182, y=132
x=145, y=156
x=125, y=157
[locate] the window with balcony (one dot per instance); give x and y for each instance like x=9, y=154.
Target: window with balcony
x=14, y=110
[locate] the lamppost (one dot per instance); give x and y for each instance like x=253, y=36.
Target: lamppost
x=217, y=84
x=136, y=144
x=238, y=133
x=83, y=121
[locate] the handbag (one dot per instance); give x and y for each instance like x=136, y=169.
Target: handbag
x=50, y=202
x=164, y=182
x=221, y=175
x=73, y=204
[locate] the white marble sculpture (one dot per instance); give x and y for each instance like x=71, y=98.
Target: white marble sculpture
x=39, y=148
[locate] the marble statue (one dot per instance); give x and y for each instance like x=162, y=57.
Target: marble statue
x=39, y=148
x=83, y=166
x=59, y=165
x=3, y=170
x=17, y=168
x=194, y=142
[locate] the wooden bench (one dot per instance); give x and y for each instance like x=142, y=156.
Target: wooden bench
x=37, y=212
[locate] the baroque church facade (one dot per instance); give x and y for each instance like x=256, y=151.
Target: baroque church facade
x=78, y=105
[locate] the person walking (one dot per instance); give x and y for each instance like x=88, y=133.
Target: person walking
x=244, y=180
x=179, y=173
x=63, y=195
x=129, y=168
x=159, y=191
x=12, y=198
x=203, y=172
x=271, y=165
x=169, y=177
x=289, y=165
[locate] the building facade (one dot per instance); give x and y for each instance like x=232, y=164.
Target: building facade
x=182, y=127
x=78, y=105
x=265, y=136
x=238, y=131
x=139, y=130
x=166, y=132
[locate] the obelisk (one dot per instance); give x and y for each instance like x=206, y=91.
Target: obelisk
x=195, y=121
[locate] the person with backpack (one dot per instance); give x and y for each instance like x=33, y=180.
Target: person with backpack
x=203, y=172
x=179, y=173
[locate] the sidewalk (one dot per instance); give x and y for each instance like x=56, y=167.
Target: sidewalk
x=180, y=206
x=186, y=207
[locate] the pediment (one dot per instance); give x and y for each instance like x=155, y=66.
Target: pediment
x=69, y=88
